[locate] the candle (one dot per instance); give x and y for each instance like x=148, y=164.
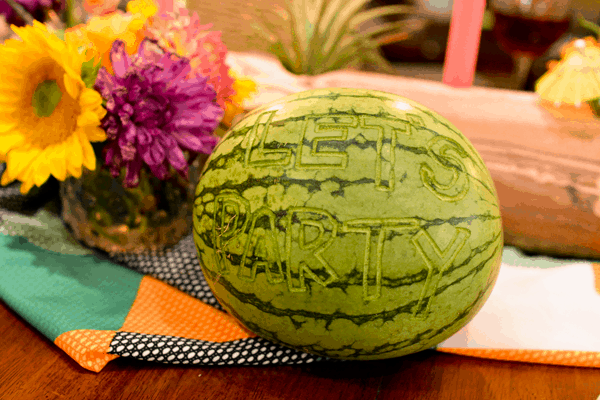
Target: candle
x=463, y=42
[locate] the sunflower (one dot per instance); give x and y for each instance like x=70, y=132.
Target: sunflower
x=48, y=115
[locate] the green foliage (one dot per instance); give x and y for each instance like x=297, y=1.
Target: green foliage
x=89, y=72
x=311, y=37
x=61, y=34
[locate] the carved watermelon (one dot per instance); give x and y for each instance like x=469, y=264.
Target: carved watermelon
x=348, y=223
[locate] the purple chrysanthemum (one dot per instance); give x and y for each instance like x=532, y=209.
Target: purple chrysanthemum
x=155, y=111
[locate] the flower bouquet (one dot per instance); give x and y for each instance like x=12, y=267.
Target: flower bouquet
x=122, y=110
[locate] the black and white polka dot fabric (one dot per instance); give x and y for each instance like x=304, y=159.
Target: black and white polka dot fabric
x=176, y=350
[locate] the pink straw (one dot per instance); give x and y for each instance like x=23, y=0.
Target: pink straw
x=463, y=42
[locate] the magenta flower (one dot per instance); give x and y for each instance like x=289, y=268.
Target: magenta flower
x=156, y=109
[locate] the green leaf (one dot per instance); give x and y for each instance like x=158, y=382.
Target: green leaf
x=282, y=54
x=89, y=72
x=322, y=35
x=299, y=40
x=342, y=57
x=589, y=25
x=60, y=34
x=70, y=18
x=376, y=58
x=379, y=12
x=315, y=43
x=338, y=26
x=387, y=28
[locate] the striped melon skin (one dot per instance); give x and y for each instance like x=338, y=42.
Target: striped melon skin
x=348, y=223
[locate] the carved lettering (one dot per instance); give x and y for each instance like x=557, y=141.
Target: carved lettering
x=262, y=245
x=378, y=228
x=336, y=127
x=256, y=154
x=437, y=262
x=415, y=121
x=310, y=231
x=385, y=162
x=231, y=218
x=440, y=150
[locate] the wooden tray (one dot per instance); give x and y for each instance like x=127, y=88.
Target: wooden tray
x=545, y=161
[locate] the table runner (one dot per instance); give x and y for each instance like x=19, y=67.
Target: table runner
x=158, y=307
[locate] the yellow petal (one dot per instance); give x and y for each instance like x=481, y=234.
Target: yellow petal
x=31, y=37
x=101, y=111
x=95, y=134
x=18, y=161
x=9, y=141
x=42, y=171
x=57, y=159
x=5, y=179
x=73, y=170
x=89, y=98
x=243, y=89
x=71, y=85
x=8, y=107
x=27, y=180
x=88, y=118
x=89, y=158
x=11, y=85
x=72, y=67
x=9, y=95
x=6, y=126
x=26, y=186
x=75, y=155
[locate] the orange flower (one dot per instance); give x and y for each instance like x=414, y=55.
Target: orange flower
x=102, y=30
x=100, y=7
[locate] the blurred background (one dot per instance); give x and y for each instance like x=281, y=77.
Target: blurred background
x=519, y=37
x=513, y=30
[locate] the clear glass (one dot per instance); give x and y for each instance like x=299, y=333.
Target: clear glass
x=153, y=216
x=525, y=29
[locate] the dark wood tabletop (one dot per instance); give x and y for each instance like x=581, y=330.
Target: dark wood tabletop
x=31, y=367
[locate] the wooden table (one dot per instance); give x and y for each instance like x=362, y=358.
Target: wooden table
x=31, y=367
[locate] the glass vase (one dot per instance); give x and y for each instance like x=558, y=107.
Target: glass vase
x=103, y=214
